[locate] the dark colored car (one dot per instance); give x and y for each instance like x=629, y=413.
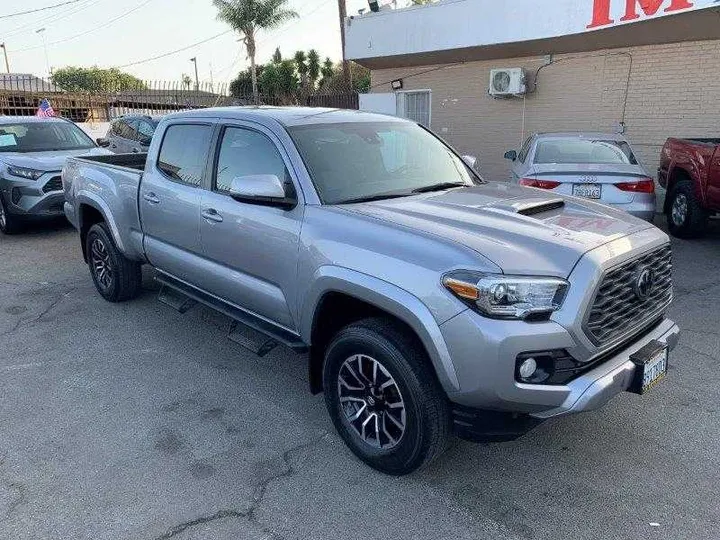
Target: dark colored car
x=130, y=134
x=690, y=171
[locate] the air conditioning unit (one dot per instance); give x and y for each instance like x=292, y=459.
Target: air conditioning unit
x=507, y=82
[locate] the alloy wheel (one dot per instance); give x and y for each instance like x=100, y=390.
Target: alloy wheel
x=371, y=401
x=679, y=209
x=3, y=221
x=101, y=265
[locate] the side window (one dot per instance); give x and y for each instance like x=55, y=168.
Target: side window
x=245, y=152
x=522, y=156
x=184, y=151
x=116, y=127
x=145, y=132
x=130, y=130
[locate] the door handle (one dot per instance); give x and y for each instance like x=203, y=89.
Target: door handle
x=135, y=150
x=210, y=214
x=151, y=198
x=113, y=146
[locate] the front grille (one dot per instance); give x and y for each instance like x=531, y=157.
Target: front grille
x=617, y=309
x=54, y=184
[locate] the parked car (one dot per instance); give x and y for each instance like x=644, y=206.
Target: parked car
x=690, y=171
x=430, y=301
x=596, y=166
x=130, y=134
x=32, y=153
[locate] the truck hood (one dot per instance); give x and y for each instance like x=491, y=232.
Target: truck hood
x=47, y=161
x=521, y=230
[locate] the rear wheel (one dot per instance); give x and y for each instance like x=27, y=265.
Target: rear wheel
x=9, y=224
x=686, y=217
x=383, y=397
x=116, y=278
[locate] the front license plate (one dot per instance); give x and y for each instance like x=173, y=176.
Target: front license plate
x=587, y=191
x=651, y=366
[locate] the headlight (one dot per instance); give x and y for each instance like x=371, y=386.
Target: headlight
x=507, y=297
x=22, y=172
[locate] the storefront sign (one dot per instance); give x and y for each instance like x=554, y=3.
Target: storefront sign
x=634, y=9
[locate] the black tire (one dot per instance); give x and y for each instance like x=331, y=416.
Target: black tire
x=685, y=215
x=9, y=224
x=426, y=411
x=124, y=279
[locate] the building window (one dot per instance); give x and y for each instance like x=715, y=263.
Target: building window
x=415, y=105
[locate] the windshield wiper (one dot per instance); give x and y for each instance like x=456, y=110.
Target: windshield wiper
x=439, y=187
x=378, y=197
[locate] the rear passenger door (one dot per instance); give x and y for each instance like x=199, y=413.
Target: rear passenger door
x=170, y=195
x=252, y=250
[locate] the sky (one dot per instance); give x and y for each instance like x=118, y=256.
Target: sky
x=118, y=33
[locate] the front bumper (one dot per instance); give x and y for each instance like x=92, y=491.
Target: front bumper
x=41, y=198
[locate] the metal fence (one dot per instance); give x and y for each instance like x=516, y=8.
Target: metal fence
x=21, y=95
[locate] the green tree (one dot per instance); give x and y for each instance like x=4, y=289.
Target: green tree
x=327, y=71
x=277, y=56
x=302, y=69
x=95, y=79
x=241, y=86
x=313, y=64
x=333, y=78
x=186, y=81
x=248, y=17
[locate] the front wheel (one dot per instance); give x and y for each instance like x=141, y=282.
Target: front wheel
x=9, y=224
x=383, y=397
x=686, y=216
x=116, y=277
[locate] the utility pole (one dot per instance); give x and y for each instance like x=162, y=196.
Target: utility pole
x=342, y=12
x=7, y=64
x=41, y=31
x=197, y=81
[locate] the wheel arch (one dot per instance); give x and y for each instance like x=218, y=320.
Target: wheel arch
x=676, y=173
x=92, y=210
x=339, y=296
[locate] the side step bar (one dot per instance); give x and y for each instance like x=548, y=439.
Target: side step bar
x=182, y=297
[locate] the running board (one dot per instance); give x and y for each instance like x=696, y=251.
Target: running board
x=272, y=333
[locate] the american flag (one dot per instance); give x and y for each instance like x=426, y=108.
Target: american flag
x=45, y=109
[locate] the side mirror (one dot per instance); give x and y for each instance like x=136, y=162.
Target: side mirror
x=511, y=155
x=103, y=142
x=266, y=189
x=471, y=161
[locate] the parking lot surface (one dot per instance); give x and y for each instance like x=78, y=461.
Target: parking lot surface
x=132, y=421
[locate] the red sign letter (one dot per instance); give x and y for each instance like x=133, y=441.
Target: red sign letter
x=601, y=14
x=651, y=7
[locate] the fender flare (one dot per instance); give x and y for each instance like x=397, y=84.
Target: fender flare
x=90, y=199
x=389, y=298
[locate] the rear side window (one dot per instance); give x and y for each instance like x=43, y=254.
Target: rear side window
x=244, y=152
x=184, y=151
x=584, y=151
x=524, y=151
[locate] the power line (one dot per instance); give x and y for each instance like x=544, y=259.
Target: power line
x=18, y=13
x=163, y=55
x=95, y=29
x=63, y=15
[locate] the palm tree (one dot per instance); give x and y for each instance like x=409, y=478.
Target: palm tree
x=313, y=65
x=249, y=16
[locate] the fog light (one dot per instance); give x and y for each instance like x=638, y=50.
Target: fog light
x=528, y=368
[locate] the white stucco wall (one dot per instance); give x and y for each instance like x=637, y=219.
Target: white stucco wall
x=455, y=24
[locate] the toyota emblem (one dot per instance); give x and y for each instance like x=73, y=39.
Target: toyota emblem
x=644, y=283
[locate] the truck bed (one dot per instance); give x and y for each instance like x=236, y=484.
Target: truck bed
x=126, y=161
x=709, y=141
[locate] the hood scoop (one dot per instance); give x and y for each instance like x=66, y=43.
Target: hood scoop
x=531, y=207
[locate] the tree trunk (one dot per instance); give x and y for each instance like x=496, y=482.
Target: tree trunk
x=250, y=44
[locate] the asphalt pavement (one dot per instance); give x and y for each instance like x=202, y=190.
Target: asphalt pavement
x=132, y=421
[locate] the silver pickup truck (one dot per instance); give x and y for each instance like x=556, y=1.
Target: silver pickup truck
x=430, y=301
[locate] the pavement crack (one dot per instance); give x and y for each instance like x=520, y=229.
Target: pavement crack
x=17, y=501
x=285, y=469
x=182, y=527
x=28, y=321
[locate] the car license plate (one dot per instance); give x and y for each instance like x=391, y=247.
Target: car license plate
x=587, y=191
x=651, y=366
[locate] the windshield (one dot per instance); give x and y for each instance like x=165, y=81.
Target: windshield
x=349, y=162
x=582, y=151
x=42, y=137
